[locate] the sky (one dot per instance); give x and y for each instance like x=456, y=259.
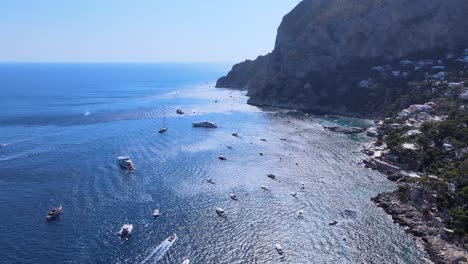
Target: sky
x=138, y=30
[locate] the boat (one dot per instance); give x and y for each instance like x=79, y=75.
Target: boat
x=156, y=213
x=179, y=111
x=234, y=197
x=229, y=146
x=263, y=139
x=272, y=176
x=206, y=124
x=172, y=237
x=264, y=188
x=221, y=212
x=333, y=222
x=54, y=213
x=163, y=129
x=294, y=194
x=186, y=261
x=235, y=134
x=300, y=213
x=222, y=157
x=261, y=153
x=209, y=180
x=279, y=248
x=126, y=230
x=126, y=162
x=302, y=186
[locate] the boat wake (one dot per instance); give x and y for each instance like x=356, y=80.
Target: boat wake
x=159, y=252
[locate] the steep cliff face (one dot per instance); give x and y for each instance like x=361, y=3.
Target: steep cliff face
x=323, y=48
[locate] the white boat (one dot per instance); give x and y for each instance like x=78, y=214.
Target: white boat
x=206, y=124
x=294, y=194
x=300, y=213
x=179, y=111
x=264, y=188
x=234, y=197
x=163, y=129
x=126, y=230
x=172, y=237
x=221, y=212
x=186, y=261
x=333, y=222
x=302, y=186
x=156, y=213
x=126, y=162
x=279, y=248
x=229, y=146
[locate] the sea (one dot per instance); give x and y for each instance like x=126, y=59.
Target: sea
x=63, y=125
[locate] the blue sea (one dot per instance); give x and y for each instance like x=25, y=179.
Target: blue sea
x=62, y=127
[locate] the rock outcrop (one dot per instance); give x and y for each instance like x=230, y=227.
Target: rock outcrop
x=323, y=46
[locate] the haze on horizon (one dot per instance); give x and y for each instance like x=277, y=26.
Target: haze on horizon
x=138, y=31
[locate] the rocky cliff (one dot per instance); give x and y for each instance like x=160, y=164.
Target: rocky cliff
x=325, y=47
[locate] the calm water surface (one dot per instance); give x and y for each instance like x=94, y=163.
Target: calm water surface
x=63, y=125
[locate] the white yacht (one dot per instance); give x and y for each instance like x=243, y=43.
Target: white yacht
x=126, y=162
x=279, y=248
x=126, y=230
x=156, y=213
x=221, y=212
x=172, y=238
x=206, y=124
x=234, y=197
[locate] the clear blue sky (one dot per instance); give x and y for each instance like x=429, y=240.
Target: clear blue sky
x=138, y=30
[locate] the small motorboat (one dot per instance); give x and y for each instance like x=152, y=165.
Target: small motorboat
x=126, y=162
x=185, y=261
x=261, y=153
x=229, y=146
x=263, y=139
x=222, y=157
x=333, y=222
x=234, y=197
x=283, y=139
x=126, y=230
x=279, y=248
x=221, y=212
x=163, y=129
x=264, y=188
x=172, y=237
x=206, y=124
x=54, y=213
x=179, y=111
x=272, y=176
x=235, y=134
x=300, y=213
x=302, y=186
x=209, y=180
x=156, y=213
x=294, y=194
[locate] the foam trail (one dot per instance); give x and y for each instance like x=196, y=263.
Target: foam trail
x=159, y=251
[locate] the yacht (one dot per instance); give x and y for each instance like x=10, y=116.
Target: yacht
x=234, y=197
x=179, y=111
x=333, y=222
x=126, y=162
x=272, y=176
x=206, y=124
x=54, y=213
x=172, y=237
x=156, y=213
x=279, y=248
x=126, y=230
x=221, y=212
